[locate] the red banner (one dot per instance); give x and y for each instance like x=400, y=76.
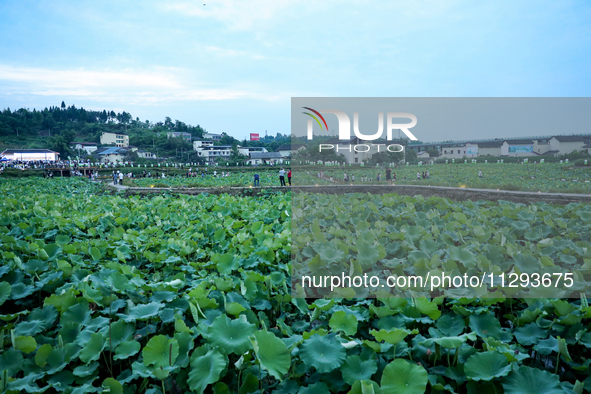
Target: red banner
x=254, y=137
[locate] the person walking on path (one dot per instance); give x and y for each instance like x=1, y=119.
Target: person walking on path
x=115, y=176
x=282, y=176
x=389, y=176
x=256, y=180
x=289, y=177
x=120, y=177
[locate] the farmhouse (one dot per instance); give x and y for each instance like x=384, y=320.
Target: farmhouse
x=265, y=158
x=87, y=147
x=288, y=150
x=567, y=143
x=111, y=154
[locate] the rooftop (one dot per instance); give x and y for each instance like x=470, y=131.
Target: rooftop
x=11, y=151
x=265, y=155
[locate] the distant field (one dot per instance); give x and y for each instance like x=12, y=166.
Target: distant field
x=556, y=178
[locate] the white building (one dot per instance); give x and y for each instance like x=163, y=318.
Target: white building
x=199, y=143
x=212, y=136
x=565, y=144
x=118, y=139
x=178, y=134
x=514, y=148
x=30, y=155
x=288, y=150
x=490, y=148
x=145, y=154
x=211, y=152
x=257, y=158
x=460, y=151
x=87, y=147
x=111, y=154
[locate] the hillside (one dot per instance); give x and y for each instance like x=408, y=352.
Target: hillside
x=56, y=127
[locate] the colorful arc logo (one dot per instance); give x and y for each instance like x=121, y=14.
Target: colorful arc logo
x=315, y=118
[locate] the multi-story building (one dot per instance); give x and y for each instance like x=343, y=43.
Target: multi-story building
x=120, y=140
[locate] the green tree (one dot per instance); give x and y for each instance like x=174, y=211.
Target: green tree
x=236, y=156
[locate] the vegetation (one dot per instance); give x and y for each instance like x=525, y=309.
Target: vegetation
x=57, y=126
x=170, y=294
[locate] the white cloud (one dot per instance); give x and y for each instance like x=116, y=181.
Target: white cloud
x=161, y=85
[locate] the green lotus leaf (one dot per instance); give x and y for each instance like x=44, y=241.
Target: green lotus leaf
x=463, y=256
x=451, y=326
x=428, y=308
x=231, y=336
x=42, y=354
x=95, y=253
x=316, y=388
x=342, y=321
x=84, y=370
x=4, y=292
x=323, y=353
x=142, y=312
x=120, y=332
x=160, y=352
x=29, y=328
x=450, y=342
x=527, y=380
x=77, y=313
x=44, y=316
x=530, y=334
x=272, y=353
x=52, y=250
x=486, y=366
x=21, y=290
x=486, y=325
x=365, y=387
x=391, y=336
x=27, y=384
x=62, y=240
x=403, y=377
x=126, y=349
x=563, y=349
x=186, y=344
x=355, y=368
x=368, y=254
x=234, y=308
x=11, y=361
x=205, y=368
x=227, y=263
x=92, y=349
x=25, y=344
x=547, y=346
x=113, y=386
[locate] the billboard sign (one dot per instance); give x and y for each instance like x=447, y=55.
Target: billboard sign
x=254, y=136
x=521, y=149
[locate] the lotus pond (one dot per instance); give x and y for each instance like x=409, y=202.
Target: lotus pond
x=190, y=294
x=548, y=177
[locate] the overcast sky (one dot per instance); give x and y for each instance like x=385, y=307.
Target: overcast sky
x=232, y=66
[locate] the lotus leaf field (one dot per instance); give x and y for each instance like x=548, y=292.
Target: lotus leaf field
x=191, y=294
x=547, y=177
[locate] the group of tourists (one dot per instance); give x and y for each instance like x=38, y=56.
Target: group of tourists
x=423, y=175
x=282, y=174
